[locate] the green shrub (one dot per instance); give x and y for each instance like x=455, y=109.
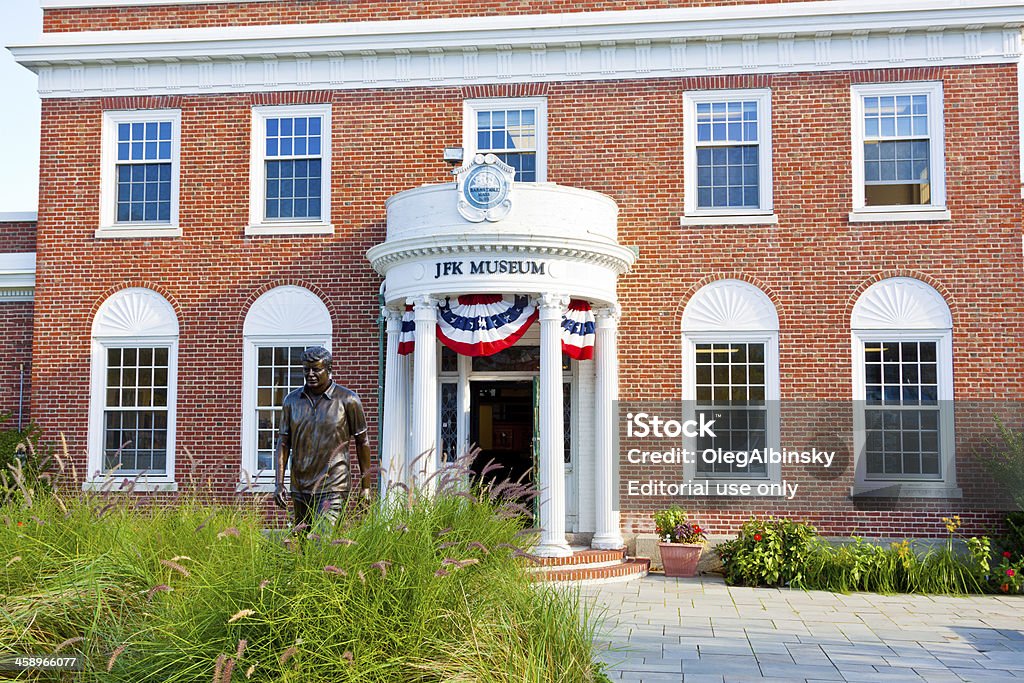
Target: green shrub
x=21, y=459
x=772, y=552
x=1006, y=461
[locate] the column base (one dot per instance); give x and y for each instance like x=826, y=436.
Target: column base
x=608, y=542
x=552, y=549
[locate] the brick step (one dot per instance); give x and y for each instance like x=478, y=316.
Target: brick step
x=580, y=557
x=625, y=570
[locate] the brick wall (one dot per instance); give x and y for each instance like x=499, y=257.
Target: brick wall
x=16, y=323
x=324, y=11
x=17, y=236
x=618, y=137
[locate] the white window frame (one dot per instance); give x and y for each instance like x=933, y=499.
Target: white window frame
x=258, y=223
x=130, y=336
x=943, y=487
x=727, y=311
x=937, y=209
x=540, y=104
x=253, y=479
x=108, y=224
x=773, y=438
x=763, y=214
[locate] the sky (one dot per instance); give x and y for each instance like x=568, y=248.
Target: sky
x=20, y=23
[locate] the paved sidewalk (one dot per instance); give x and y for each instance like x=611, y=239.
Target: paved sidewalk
x=702, y=631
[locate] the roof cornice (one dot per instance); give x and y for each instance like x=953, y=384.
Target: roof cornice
x=795, y=36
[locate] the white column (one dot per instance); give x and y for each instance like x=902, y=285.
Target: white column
x=551, y=468
x=393, y=431
x=422, y=459
x=606, y=357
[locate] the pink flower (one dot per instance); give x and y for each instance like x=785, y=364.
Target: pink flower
x=1010, y=572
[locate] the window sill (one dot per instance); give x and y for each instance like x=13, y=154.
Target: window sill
x=119, y=232
x=735, y=219
x=255, y=486
x=290, y=229
x=912, y=216
x=896, y=489
x=128, y=485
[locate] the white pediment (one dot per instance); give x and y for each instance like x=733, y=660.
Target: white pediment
x=135, y=312
x=730, y=305
x=288, y=310
x=901, y=303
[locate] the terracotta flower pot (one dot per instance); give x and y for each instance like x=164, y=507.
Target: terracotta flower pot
x=680, y=559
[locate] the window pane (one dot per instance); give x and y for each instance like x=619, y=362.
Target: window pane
x=730, y=388
x=278, y=371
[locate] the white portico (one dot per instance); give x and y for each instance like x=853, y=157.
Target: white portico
x=523, y=251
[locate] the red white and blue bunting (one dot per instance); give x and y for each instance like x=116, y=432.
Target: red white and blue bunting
x=484, y=324
x=578, y=330
x=407, y=339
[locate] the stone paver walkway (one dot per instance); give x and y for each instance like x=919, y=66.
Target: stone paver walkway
x=701, y=631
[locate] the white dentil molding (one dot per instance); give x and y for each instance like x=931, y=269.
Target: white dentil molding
x=788, y=37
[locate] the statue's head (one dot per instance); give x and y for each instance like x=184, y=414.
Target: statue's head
x=316, y=368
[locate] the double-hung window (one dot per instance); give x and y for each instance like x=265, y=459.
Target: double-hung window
x=898, y=157
x=140, y=170
x=728, y=155
x=731, y=379
x=290, y=168
x=903, y=391
x=133, y=389
x=513, y=129
x=278, y=327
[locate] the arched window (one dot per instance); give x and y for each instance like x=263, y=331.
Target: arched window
x=134, y=388
x=280, y=324
x=731, y=376
x=902, y=334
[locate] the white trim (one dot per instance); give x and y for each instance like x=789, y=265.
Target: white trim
x=732, y=311
x=738, y=219
x=19, y=216
x=927, y=214
x=691, y=99
x=914, y=295
x=116, y=485
x=121, y=322
x=773, y=438
x=937, y=150
x=258, y=224
x=538, y=104
x=17, y=276
x=1020, y=122
x=533, y=48
x=290, y=307
x=108, y=225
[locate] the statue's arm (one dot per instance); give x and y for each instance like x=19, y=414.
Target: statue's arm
x=281, y=456
x=357, y=426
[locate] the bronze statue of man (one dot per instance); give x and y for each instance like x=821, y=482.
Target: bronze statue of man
x=317, y=422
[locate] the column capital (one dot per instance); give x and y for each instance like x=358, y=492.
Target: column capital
x=393, y=319
x=608, y=313
x=551, y=304
x=424, y=307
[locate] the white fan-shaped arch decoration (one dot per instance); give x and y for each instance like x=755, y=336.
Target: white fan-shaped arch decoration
x=730, y=305
x=901, y=303
x=288, y=310
x=135, y=312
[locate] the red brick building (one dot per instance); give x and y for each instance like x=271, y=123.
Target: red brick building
x=801, y=220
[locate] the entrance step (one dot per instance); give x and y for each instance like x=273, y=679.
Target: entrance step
x=591, y=566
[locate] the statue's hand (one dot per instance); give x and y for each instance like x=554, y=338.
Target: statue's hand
x=280, y=497
x=366, y=495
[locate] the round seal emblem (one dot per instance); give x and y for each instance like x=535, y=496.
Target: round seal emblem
x=485, y=188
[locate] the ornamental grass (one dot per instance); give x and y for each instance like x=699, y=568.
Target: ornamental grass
x=411, y=589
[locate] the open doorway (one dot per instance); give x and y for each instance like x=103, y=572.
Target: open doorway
x=501, y=423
